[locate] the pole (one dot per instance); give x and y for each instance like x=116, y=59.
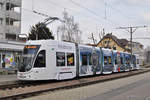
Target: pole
x=57, y=35
x=131, y=31
x=93, y=38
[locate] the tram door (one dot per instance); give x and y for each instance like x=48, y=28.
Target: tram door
x=3, y=61
x=0, y=61
x=95, y=60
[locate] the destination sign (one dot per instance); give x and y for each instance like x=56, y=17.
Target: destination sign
x=30, y=47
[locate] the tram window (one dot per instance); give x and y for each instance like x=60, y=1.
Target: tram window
x=126, y=60
x=116, y=62
x=134, y=61
x=138, y=61
x=40, y=60
x=121, y=59
x=84, y=60
x=60, y=58
x=109, y=60
x=90, y=59
x=105, y=60
x=70, y=59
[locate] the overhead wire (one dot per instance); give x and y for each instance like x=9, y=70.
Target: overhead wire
x=83, y=7
x=55, y=4
x=120, y=12
x=94, y=13
x=141, y=38
x=60, y=6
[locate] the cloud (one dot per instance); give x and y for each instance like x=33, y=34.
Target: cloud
x=146, y=16
x=130, y=2
x=128, y=10
x=137, y=2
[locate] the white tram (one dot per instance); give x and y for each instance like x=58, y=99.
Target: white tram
x=48, y=60
x=57, y=60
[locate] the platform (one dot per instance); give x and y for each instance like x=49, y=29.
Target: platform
x=8, y=78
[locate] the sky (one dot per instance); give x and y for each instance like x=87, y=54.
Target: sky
x=93, y=16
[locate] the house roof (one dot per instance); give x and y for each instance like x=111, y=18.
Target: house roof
x=92, y=45
x=121, y=42
x=124, y=42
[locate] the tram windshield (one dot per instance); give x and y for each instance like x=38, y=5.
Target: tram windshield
x=28, y=56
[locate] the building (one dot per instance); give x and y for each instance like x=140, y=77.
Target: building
x=112, y=42
x=10, y=28
x=136, y=47
x=10, y=19
x=147, y=56
x=10, y=52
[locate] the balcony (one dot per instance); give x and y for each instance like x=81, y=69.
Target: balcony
x=2, y=14
x=1, y=29
x=17, y=3
x=2, y=1
x=12, y=29
x=13, y=15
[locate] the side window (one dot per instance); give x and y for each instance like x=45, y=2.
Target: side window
x=105, y=60
x=60, y=59
x=134, y=61
x=109, y=60
x=126, y=60
x=70, y=59
x=40, y=59
x=84, y=60
x=116, y=62
x=90, y=59
x=138, y=61
x=121, y=60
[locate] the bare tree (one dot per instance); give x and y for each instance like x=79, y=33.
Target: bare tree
x=101, y=36
x=69, y=30
x=92, y=38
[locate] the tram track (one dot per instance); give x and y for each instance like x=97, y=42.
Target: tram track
x=27, y=89
x=18, y=84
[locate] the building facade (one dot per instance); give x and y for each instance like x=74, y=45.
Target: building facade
x=10, y=19
x=136, y=47
x=112, y=42
x=10, y=53
x=147, y=56
x=10, y=28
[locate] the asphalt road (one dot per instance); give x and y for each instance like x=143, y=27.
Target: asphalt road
x=129, y=88
x=139, y=90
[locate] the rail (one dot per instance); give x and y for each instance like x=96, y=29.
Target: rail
x=24, y=90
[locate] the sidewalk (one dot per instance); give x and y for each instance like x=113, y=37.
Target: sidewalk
x=7, y=78
x=7, y=71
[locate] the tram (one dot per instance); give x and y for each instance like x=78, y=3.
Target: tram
x=57, y=60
